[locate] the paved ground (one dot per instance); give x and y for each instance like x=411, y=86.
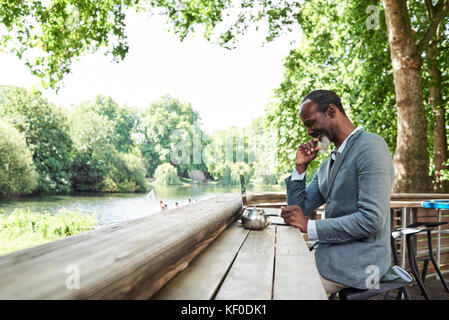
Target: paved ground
x=433, y=286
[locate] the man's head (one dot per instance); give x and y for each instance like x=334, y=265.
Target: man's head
x=320, y=113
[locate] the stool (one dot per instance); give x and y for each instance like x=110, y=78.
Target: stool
x=384, y=287
x=429, y=226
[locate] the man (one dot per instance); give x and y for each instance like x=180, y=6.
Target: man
x=355, y=184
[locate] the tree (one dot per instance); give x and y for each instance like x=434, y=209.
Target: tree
x=435, y=63
x=45, y=129
x=250, y=152
x=98, y=166
x=335, y=56
x=411, y=157
x=173, y=134
x=49, y=35
x=17, y=171
x=60, y=42
x=93, y=144
x=336, y=38
x=125, y=120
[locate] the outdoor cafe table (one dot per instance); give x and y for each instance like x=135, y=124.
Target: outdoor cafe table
x=270, y=264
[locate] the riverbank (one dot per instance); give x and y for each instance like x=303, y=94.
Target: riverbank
x=23, y=228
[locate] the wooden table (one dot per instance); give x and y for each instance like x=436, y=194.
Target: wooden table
x=274, y=263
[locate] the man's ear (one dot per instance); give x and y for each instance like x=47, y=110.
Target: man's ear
x=331, y=111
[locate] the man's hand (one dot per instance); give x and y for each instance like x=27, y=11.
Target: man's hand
x=305, y=153
x=294, y=216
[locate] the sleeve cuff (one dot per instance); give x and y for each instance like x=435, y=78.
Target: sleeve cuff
x=311, y=230
x=297, y=176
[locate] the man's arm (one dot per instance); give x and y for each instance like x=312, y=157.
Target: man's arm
x=375, y=177
x=297, y=194
x=308, y=198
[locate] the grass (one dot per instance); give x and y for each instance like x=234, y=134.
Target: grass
x=24, y=229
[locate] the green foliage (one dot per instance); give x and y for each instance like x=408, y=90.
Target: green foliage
x=251, y=151
x=124, y=173
x=170, y=125
x=17, y=171
x=166, y=174
x=124, y=120
x=24, y=229
x=98, y=166
x=49, y=35
x=338, y=52
x=45, y=129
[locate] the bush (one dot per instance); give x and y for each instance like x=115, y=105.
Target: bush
x=123, y=173
x=97, y=165
x=24, y=229
x=166, y=174
x=45, y=129
x=17, y=171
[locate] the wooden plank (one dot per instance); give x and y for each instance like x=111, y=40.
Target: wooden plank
x=254, y=198
x=201, y=279
x=402, y=204
x=251, y=275
x=419, y=196
x=296, y=276
x=131, y=260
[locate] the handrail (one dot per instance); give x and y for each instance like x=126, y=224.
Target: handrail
x=280, y=197
x=129, y=260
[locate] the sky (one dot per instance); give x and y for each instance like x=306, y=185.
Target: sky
x=227, y=87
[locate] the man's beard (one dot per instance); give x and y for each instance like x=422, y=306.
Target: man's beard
x=324, y=143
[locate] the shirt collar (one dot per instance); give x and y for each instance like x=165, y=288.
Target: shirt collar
x=343, y=145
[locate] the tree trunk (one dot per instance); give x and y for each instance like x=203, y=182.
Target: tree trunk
x=411, y=158
x=436, y=102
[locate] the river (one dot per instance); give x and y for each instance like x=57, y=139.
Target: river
x=117, y=207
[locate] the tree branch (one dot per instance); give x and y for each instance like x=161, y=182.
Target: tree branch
x=440, y=11
x=429, y=9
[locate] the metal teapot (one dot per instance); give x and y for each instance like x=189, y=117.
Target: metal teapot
x=255, y=219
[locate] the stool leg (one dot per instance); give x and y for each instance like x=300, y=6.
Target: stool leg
x=441, y=276
x=424, y=270
x=414, y=267
x=435, y=265
x=406, y=295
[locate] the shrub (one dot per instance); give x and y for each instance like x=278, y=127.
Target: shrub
x=24, y=229
x=17, y=171
x=166, y=174
x=45, y=129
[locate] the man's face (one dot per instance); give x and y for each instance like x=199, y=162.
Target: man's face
x=317, y=123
